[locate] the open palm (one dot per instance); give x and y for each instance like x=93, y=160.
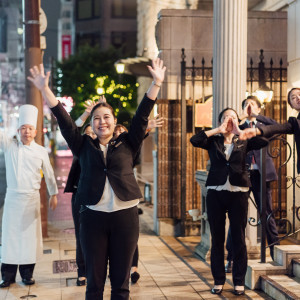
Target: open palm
x=38, y=77
x=157, y=70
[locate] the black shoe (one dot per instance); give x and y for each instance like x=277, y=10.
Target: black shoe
x=228, y=267
x=5, y=284
x=238, y=292
x=28, y=281
x=216, y=291
x=80, y=282
x=135, y=276
x=140, y=211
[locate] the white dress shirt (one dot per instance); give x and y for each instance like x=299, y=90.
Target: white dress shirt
x=109, y=201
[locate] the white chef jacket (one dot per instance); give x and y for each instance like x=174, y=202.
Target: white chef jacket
x=21, y=224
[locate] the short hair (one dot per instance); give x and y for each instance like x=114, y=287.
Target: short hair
x=102, y=104
x=120, y=126
x=223, y=111
x=251, y=97
x=289, y=96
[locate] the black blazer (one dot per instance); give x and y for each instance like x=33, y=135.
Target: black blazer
x=220, y=167
x=271, y=174
x=290, y=127
x=74, y=174
x=120, y=156
x=73, y=177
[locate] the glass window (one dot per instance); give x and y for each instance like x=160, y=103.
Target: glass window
x=126, y=41
x=84, y=9
x=88, y=9
x=66, y=14
x=97, y=8
x=66, y=26
x=124, y=9
x=92, y=39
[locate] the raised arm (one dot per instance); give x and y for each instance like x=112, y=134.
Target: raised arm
x=88, y=104
x=157, y=71
x=139, y=122
x=67, y=126
x=41, y=81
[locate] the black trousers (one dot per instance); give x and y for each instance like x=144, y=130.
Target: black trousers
x=79, y=255
x=135, y=259
x=272, y=233
x=236, y=204
x=9, y=271
x=108, y=236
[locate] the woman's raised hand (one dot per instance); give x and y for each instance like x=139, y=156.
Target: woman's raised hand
x=223, y=128
x=235, y=127
x=157, y=70
x=154, y=123
x=38, y=77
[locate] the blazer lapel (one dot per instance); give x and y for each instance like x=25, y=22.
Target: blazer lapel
x=97, y=145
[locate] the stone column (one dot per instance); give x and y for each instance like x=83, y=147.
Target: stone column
x=229, y=55
x=293, y=57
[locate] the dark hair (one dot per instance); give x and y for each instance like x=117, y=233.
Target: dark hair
x=223, y=111
x=251, y=97
x=85, y=127
x=120, y=126
x=289, y=94
x=102, y=104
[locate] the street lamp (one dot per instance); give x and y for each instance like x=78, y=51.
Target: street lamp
x=263, y=93
x=120, y=67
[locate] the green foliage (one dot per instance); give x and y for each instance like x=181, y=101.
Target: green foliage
x=90, y=73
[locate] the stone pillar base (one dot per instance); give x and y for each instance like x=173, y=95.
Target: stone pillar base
x=203, y=250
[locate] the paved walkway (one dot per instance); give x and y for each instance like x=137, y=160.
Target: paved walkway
x=168, y=267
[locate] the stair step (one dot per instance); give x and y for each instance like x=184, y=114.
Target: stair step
x=296, y=267
x=281, y=287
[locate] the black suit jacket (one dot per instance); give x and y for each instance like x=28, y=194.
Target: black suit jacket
x=271, y=174
x=220, y=167
x=73, y=177
x=119, y=159
x=290, y=127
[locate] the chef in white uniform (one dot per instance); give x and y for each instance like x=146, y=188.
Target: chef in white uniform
x=25, y=162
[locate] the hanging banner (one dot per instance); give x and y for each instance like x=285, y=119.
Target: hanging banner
x=66, y=46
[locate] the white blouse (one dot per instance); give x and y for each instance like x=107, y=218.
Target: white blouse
x=228, y=186
x=109, y=201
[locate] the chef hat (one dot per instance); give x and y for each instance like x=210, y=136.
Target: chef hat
x=28, y=115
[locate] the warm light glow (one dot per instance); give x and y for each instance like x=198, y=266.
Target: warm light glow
x=100, y=91
x=120, y=68
x=264, y=95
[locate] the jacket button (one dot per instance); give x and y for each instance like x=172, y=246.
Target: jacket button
x=105, y=170
x=227, y=164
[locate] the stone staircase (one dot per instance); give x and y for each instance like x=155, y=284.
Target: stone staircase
x=279, y=279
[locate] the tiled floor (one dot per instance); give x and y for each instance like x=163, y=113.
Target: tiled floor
x=168, y=270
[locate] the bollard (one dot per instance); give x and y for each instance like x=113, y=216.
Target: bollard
x=147, y=193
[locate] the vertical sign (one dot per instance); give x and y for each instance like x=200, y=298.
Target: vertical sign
x=66, y=46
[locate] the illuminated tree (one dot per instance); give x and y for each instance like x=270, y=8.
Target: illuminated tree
x=90, y=73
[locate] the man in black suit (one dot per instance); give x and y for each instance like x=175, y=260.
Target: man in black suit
x=251, y=112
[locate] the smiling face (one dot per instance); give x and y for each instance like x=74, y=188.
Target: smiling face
x=294, y=99
x=27, y=134
x=103, y=122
